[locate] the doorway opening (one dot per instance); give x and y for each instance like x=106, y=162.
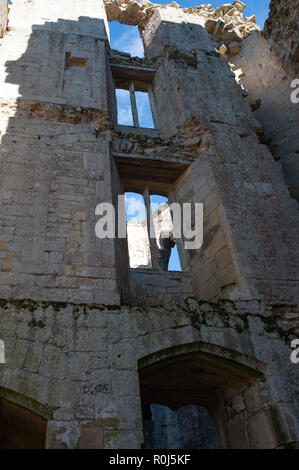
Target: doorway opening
x=195, y=396
x=189, y=427
x=21, y=428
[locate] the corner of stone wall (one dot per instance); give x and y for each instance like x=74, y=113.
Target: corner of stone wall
x=3, y=17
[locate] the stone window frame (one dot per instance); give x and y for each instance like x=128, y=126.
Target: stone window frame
x=134, y=79
x=140, y=78
x=146, y=193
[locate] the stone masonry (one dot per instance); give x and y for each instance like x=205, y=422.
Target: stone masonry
x=3, y=17
x=90, y=343
x=282, y=31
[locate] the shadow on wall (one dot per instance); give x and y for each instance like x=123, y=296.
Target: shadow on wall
x=43, y=70
x=53, y=167
x=54, y=171
x=55, y=162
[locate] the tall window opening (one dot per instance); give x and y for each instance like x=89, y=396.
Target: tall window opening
x=151, y=243
x=137, y=233
x=168, y=255
x=144, y=110
x=134, y=104
x=124, y=110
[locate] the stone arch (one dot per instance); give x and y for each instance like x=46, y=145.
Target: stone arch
x=225, y=382
x=23, y=422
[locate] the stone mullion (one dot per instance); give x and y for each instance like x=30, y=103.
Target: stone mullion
x=133, y=105
x=151, y=230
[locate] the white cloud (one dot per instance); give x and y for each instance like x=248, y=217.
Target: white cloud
x=130, y=42
x=135, y=208
x=124, y=108
x=144, y=110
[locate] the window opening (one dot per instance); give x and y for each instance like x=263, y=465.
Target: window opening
x=124, y=110
x=144, y=110
x=169, y=259
x=126, y=38
x=151, y=243
x=133, y=106
x=137, y=233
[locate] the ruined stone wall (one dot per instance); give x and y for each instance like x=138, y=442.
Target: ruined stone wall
x=226, y=21
x=233, y=170
x=55, y=165
x=282, y=31
x=81, y=364
x=73, y=354
x=3, y=17
x=265, y=67
x=268, y=84
x=187, y=428
x=120, y=244
x=138, y=244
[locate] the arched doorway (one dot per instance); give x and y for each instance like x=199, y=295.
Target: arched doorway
x=207, y=387
x=20, y=427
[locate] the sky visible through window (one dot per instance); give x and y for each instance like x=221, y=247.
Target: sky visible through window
x=127, y=39
x=135, y=211
x=124, y=111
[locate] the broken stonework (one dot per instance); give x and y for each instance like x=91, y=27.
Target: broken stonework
x=282, y=32
x=226, y=22
x=86, y=376
x=3, y=17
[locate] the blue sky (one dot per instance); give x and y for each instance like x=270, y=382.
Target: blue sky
x=135, y=209
x=259, y=8
x=126, y=38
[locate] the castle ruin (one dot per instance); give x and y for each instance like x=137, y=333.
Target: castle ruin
x=97, y=351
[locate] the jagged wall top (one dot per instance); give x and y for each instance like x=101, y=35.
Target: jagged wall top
x=3, y=16
x=282, y=31
x=26, y=14
x=226, y=22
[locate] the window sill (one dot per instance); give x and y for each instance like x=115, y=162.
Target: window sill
x=154, y=272
x=137, y=130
